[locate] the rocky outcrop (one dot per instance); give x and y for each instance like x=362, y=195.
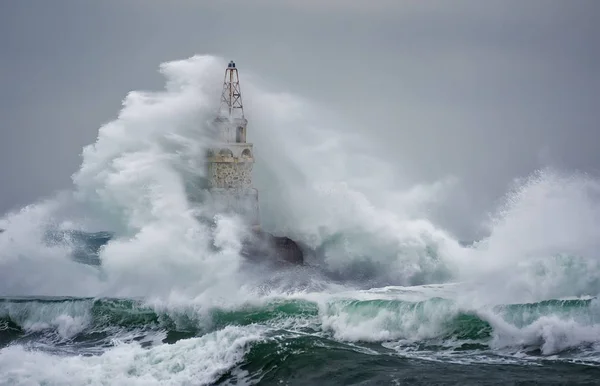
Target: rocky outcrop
x=263, y=246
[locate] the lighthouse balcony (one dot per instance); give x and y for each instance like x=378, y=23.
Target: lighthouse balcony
x=232, y=152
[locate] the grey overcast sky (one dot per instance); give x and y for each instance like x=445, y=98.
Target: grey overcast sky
x=486, y=90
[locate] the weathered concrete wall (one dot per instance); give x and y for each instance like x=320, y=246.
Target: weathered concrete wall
x=233, y=131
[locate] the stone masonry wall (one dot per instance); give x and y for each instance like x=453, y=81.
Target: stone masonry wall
x=230, y=174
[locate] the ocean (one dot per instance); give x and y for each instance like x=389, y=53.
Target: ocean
x=295, y=340
x=116, y=281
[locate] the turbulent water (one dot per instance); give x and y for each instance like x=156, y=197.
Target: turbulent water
x=117, y=282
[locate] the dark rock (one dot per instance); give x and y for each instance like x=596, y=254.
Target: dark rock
x=263, y=246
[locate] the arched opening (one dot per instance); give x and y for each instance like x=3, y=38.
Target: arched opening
x=239, y=135
x=225, y=153
x=246, y=153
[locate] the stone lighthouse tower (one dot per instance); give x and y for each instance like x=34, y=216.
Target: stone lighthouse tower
x=231, y=158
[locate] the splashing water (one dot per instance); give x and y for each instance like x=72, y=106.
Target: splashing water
x=381, y=271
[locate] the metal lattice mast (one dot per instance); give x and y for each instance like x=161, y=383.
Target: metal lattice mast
x=231, y=98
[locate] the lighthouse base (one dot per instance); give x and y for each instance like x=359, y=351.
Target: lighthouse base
x=258, y=245
x=241, y=201
x=262, y=246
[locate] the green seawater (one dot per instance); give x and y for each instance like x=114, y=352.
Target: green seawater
x=335, y=341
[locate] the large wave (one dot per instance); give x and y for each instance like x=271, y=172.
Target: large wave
x=319, y=185
x=139, y=181
x=129, y=342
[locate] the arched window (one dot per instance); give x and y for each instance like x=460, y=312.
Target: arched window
x=246, y=153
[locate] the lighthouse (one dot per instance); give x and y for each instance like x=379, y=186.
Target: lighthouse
x=229, y=177
x=231, y=158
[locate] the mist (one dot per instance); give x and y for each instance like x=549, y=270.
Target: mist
x=464, y=95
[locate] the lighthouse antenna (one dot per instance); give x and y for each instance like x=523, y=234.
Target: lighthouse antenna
x=231, y=98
